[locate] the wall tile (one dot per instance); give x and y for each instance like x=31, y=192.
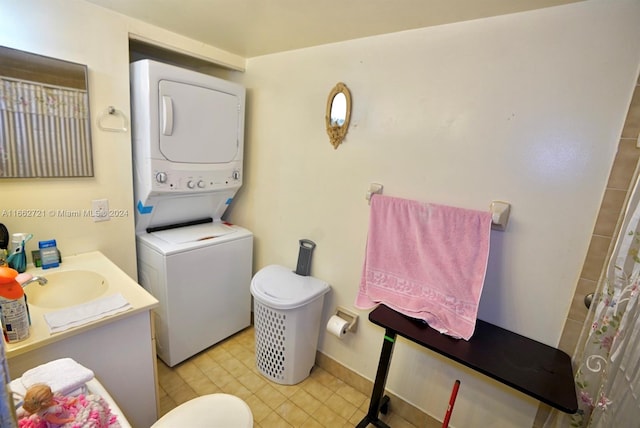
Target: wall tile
x=570, y=336
x=632, y=122
x=624, y=165
x=543, y=412
x=596, y=256
x=578, y=310
x=612, y=205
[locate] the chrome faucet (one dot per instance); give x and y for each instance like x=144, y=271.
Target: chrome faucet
x=39, y=279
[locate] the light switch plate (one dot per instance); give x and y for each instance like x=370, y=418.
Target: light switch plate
x=100, y=210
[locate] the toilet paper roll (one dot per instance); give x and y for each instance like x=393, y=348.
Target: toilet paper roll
x=337, y=326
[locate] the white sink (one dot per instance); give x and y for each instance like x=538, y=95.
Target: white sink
x=66, y=288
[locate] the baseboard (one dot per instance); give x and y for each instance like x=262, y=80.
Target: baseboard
x=396, y=405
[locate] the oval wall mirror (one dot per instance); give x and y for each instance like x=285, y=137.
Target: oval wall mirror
x=338, y=109
x=338, y=114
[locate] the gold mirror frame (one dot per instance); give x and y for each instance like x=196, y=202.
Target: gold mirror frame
x=338, y=132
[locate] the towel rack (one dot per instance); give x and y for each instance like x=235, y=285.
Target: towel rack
x=109, y=113
x=374, y=188
x=500, y=210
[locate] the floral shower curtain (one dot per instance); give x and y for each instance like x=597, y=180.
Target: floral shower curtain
x=44, y=130
x=7, y=408
x=608, y=367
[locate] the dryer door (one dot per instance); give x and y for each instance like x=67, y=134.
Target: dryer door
x=197, y=124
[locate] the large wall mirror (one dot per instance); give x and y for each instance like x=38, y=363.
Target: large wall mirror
x=45, y=128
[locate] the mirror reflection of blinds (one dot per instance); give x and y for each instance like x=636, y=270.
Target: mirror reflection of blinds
x=44, y=85
x=44, y=130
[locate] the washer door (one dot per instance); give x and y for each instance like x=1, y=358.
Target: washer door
x=197, y=124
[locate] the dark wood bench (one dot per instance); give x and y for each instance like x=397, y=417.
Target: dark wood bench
x=531, y=367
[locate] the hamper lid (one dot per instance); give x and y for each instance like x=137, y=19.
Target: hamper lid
x=281, y=288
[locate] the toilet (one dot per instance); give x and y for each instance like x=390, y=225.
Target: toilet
x=209, y=411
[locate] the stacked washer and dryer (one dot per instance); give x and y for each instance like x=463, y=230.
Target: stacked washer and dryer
x=188, y=139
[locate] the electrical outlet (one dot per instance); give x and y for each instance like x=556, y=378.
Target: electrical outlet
x=100, y=210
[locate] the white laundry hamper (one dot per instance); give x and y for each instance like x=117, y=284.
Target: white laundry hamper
x=287, y=312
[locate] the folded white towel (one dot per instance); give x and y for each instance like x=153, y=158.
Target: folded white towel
x=63, y=376
x=78, y=315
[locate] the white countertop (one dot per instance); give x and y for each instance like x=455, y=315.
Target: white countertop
x=118, y=282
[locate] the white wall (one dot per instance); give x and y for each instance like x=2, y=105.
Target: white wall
x=78, y=31
x=526, y=108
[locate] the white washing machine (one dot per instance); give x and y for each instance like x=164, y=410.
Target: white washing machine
x=200, y=274
x=188, y=139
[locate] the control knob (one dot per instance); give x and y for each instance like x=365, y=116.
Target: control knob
x=201, y=184
x=191, y=184
x=236, y=175
x=161, y=177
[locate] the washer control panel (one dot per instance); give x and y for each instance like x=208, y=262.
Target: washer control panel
x=195, y=181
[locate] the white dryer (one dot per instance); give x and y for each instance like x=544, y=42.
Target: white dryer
x=188, y=140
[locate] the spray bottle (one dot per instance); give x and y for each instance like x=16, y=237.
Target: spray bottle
x=14, y=315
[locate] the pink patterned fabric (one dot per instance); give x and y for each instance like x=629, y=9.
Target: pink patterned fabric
x=90, y=411
x=426, y=261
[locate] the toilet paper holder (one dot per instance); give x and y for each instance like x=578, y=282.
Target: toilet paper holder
x=348, y=316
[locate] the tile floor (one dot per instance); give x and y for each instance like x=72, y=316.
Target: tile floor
x=321, y=400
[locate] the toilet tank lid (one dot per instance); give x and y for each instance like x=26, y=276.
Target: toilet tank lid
x=281, y=288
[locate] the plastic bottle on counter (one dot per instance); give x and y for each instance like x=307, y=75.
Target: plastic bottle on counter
x=49, y=256
x=14, y=317
x=14, y=312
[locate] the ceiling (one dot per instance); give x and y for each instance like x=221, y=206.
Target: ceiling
x=251, y=28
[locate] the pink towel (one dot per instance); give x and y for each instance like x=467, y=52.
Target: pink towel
x=426, y=261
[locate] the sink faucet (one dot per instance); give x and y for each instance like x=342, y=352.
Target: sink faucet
x=39, y=279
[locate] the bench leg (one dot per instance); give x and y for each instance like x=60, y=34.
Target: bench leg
x=378, y=399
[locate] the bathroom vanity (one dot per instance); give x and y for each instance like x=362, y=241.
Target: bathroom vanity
x=119, y=348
